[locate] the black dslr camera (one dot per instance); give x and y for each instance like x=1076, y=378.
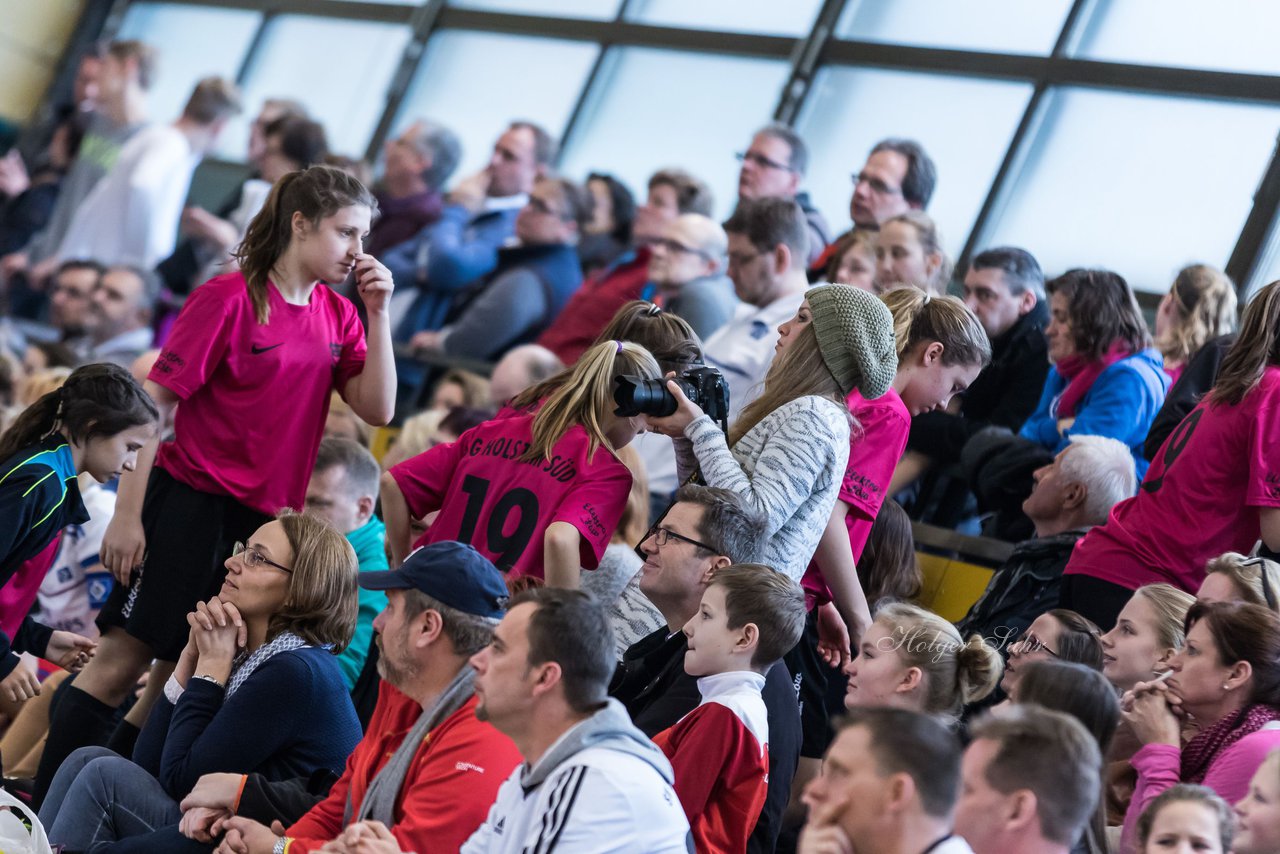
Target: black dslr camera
x=702, y=385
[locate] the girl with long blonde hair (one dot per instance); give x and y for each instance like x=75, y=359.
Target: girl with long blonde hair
x=540, y=494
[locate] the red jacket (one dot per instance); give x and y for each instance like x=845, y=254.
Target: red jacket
x=451, y=784
x=594, y=304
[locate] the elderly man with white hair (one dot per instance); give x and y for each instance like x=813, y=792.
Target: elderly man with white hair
x=1071, y=495
x=686, y=273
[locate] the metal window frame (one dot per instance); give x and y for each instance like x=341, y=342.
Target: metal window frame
x=806, y=56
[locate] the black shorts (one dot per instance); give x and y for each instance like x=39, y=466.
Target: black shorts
x=810, y=675
x=190, y=535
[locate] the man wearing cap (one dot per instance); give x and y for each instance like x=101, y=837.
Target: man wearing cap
x=427, y=769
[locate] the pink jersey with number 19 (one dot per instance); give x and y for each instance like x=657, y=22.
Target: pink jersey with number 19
x=491, y=499
x=1200, y=497
x=254, y=398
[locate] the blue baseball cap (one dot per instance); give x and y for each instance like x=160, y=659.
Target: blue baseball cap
x=452, y=573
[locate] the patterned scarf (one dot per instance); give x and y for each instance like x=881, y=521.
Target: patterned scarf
x=1199, y=752
x=1081, y=373
x=244, y=665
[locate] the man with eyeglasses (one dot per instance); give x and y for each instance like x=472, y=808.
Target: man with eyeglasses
x=686, y=273
x=773, y=167
x=531, y=283
x=898, y=176
x=706, y=529
x=768, y=239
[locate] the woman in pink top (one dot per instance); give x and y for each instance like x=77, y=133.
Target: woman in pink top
x=1213, y=487
x=1226, y=682
x=250, y=366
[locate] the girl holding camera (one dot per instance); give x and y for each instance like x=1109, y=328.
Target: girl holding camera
x=787, y=448
x=539, y=494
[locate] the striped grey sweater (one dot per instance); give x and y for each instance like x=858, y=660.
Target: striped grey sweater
x=789, y=466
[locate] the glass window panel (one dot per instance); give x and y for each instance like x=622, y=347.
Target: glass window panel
x=1009, y=26
x=458, y=73
x=597, y=9
x=1226, y=35
x=769, y=17
x=1137, y=183
x=966, y=130
x=644, y=114
x=193, y=42
x=344, y=89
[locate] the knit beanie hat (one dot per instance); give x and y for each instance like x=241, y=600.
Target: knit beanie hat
x=855, y=337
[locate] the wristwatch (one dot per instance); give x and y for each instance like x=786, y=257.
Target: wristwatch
x=206, y=677
x=282, y=845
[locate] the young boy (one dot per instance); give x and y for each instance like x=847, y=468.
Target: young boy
x=749, y=617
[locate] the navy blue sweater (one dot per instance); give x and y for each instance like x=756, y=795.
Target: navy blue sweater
x=39, y=496
x=292, y=717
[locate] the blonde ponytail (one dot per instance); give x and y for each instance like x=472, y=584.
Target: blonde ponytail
x=586, y=397
x=919, y=318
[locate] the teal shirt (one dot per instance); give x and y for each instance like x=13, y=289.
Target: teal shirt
x=368, y=541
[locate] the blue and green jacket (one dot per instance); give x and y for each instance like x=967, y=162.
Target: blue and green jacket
x=39, y=496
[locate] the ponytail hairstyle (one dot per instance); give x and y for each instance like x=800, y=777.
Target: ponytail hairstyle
x=919, y=319
x=1204, y=302
x=670, y=339
x=955, y=672
x=587, y=397
x=1257, y=347
x=95, y=400
x=316, y=192
x=931, y=242
x=798, y=372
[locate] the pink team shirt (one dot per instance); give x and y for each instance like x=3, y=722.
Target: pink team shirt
x=1200, y=497
x=874, y=451
x=489, y=498
x=253, y=398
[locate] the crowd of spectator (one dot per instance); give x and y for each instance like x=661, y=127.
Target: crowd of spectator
x=586, y=594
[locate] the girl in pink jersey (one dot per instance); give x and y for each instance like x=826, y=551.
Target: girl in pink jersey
x=538, y=494
x=1213, y=487
x=250, y=366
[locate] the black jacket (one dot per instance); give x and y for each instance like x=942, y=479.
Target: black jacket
x=650, y=681
x=1003, y=395
x=1197, y=379
x=1024, y=588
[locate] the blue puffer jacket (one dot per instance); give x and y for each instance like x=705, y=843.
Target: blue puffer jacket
x=1121, y=405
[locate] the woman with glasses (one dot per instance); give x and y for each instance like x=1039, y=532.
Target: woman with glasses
x=1227, y=680
x=257, y=689
x=1059, y=635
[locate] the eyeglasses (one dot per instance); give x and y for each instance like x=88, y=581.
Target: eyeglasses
x=661, y=536
x=1028, y=643
x=761, y=161
x=1267, y=593
x=253, y=557
x=876, y=185
x=676, y=246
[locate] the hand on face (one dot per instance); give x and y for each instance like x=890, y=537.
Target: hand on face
x=373, y=281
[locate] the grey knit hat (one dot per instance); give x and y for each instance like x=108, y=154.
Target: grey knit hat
x=855, y=336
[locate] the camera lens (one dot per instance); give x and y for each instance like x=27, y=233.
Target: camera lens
x=638, y=396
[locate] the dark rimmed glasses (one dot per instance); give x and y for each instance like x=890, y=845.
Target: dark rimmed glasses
x=253, y=557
